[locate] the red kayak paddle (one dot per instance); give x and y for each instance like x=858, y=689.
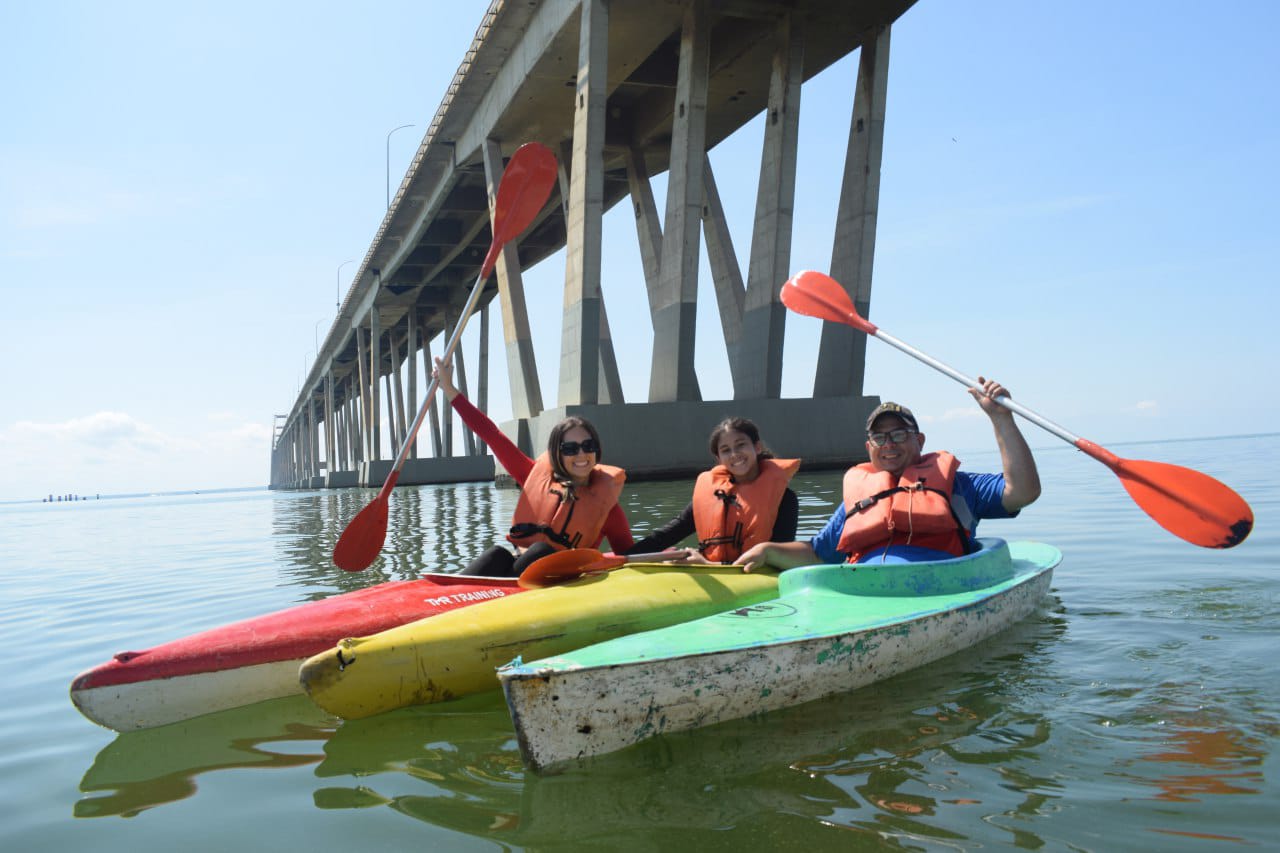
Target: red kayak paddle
x=1187, y=503
x=524, y=189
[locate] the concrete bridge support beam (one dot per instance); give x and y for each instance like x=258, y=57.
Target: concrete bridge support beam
x=446, y=424
x=672, y=376
x=309, y=441
x=842, y=351
x=401, y=431
x=482, y=359
x=610, y=389
x=522, y=370
x=393, y=410
x=330, y=424
x=375, y=400
x=764, y=317
x=361, y=429
x=433, y=406
x=295, y=456
x=726, y=276
x=460, y=378
x=648, y=228
x=349, y=431
x=411, y=362
x=580, y=341
x=362, y=377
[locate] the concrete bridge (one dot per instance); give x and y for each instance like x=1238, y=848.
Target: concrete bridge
x=622, y=90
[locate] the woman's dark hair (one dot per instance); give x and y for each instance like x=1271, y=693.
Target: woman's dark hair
x=742, y=425
x=557, y=435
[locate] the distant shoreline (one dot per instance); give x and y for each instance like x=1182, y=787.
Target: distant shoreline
x=79, y=499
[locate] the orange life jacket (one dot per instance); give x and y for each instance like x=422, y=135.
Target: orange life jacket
x=914, y=508
x=730, y=517
x=561, y=514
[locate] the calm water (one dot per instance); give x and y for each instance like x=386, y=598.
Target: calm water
x=1138, y=709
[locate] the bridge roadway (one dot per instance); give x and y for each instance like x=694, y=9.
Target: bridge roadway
x=678, y=77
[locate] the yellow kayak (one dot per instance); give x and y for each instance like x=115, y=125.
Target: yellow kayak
x=455, y=654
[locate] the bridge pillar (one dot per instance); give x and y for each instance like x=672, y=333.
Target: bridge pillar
x=362, y=379
x=610, y=387
x=672, y=376
x=433, y=406
x=580, y=340
x=522, y=369
x=411, y=362
x=764, y=316
x=375, y=369
x=842, y=351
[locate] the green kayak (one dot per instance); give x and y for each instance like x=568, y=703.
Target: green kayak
x=831, y=629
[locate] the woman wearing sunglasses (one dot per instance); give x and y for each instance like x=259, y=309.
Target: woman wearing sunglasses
x=743, y=500
x=567, y=498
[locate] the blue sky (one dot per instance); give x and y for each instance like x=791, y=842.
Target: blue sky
x=1078, y=199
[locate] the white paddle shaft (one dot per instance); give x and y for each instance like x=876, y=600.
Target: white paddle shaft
x=1007, y=402
x=449, y=347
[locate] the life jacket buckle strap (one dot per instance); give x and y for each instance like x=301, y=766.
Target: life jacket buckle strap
x=729, y=498
x=528, y=529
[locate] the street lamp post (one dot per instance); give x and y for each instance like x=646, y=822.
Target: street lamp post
x=337, y=291
x=393, y=130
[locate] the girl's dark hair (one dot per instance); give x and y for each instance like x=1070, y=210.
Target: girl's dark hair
x=742, y=425
x=557, y=435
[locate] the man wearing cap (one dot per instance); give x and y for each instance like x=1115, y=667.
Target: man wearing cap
x=905, y=505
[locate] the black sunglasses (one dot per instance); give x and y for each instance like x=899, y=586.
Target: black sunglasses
x=572, y=448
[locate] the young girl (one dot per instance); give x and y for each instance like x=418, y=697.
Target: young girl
x=567, y=498
x=740, y=502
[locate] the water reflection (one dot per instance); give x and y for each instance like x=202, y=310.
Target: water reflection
x=435, y=528
x=1232, y=761
x=863, y=764
x=143, y=769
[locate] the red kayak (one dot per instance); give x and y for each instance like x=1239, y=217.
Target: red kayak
x=257, y=659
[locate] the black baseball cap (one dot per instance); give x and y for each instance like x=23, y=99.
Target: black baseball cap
x=888, y=408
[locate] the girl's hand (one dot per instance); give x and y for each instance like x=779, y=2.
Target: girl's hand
x=444, y=373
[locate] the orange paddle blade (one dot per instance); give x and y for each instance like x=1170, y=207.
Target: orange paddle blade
x=526, y=184
x=566, y=566
x=1187, y=503
x=815, y=294
x=359, y=544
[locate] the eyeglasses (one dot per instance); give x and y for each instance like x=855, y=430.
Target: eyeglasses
x=880, y=439
x=572, y=448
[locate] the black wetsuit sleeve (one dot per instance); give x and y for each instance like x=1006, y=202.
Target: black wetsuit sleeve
x=784, y=527
x=670, y=533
